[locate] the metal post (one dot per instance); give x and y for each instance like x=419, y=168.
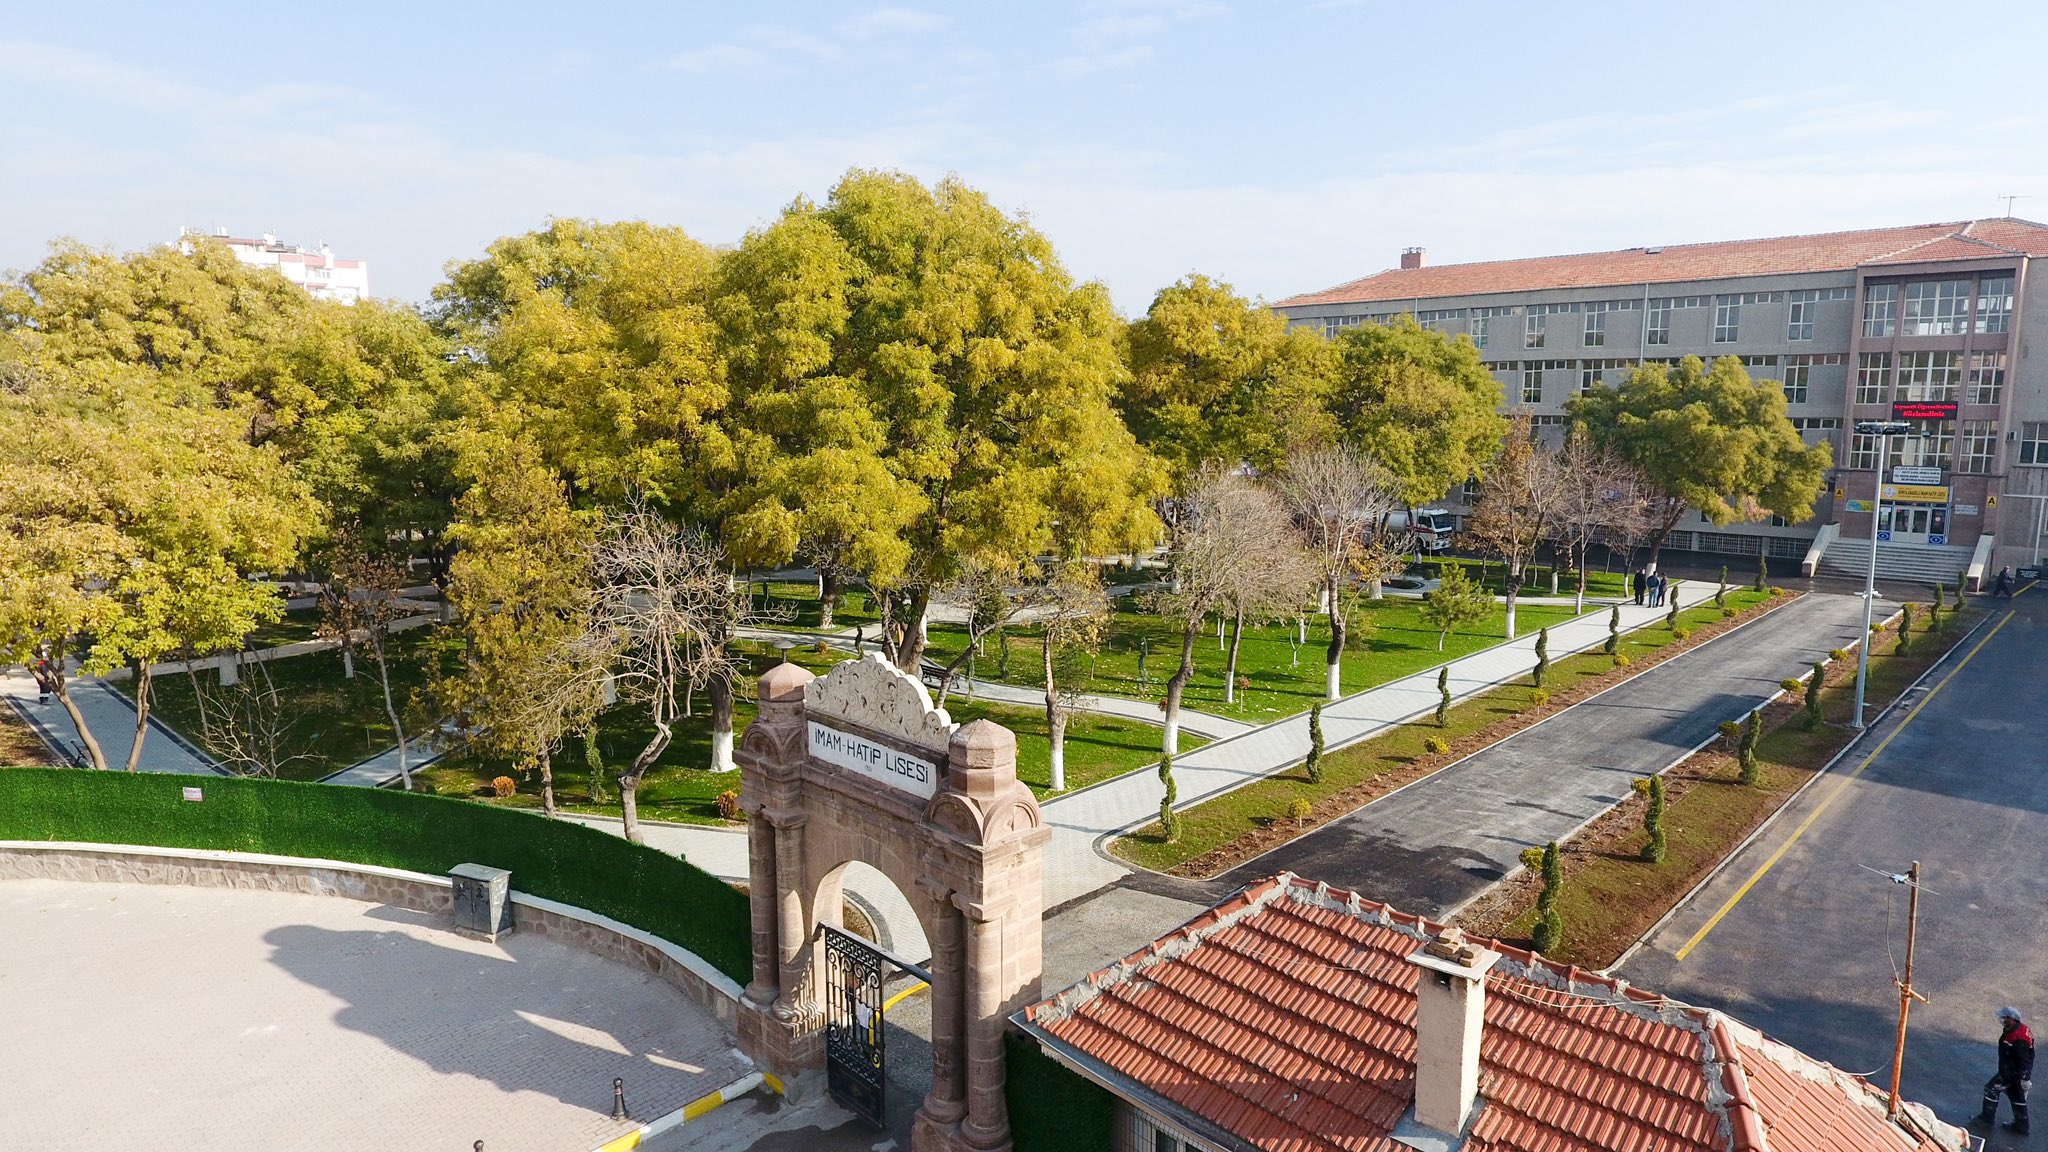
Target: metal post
x=1906, y=993
x=1884, y=448
x=619, y=1098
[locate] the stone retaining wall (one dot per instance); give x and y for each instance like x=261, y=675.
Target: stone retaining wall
x=417, y=891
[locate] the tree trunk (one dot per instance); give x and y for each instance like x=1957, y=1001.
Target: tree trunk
x=1333, y=686
x=593, y=760
x=1178, y=682
x=390, y=709
x=629, y=780
x=143, y=683
x=1055, y=723
x=720, y=690
x=911, y=650
x=1230, y=676
x=547, y=783
x=348, y=662
x=629, y=808
x=52, y=678
x=828, y=596
x=1579, y=594
x=1514, y=586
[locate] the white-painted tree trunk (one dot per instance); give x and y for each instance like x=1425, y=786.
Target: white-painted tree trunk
x=1059, y=768
x=1333, y=687
x=348, y=664
x=1376, y=588
x=1323, y=598
x=1170, y=742
x=721, y=752
x=1511, y=619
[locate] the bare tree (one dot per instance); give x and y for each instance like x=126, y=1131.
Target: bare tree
x=1600, y=497
x=1072, y=612
x=248, y=726
x=1340, y=498
x=1517, y=501
x=663, y=610
x=988, y=596
x=358, y=607
x=1236, y=532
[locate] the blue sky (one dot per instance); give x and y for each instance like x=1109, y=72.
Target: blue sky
x=1283, y=146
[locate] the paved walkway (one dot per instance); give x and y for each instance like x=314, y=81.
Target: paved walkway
x=382, y=769
x=1438, y=843
x=1076, y=863
x=1144, y=711
x=111, y=718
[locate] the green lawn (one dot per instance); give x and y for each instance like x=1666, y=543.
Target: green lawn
x=1387, y=641
x=335, y=722
x=1265, y=802
x=1535, y=578
x=303, y=624
x=793, y=605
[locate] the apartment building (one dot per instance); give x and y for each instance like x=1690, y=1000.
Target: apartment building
x=1847, y=323
x=319, y=271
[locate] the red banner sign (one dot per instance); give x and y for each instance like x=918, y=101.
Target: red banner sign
x=1923, y=409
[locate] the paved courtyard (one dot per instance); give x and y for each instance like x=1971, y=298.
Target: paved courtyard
x=189, y=1019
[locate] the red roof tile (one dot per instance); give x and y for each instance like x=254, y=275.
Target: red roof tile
x=1781, y=255
x=1286, y=1016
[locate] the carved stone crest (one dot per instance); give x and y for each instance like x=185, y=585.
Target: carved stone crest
x=874, y=694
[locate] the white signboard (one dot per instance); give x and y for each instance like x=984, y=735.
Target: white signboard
x=1908, y=474
x=861, y=755
x=1966, y=509
x=194, y=794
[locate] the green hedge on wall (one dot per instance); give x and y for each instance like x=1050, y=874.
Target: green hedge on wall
x=1053, y=1109
x=552, y=859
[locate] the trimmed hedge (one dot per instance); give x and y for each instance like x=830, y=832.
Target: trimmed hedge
x=1053, y=1109
x=553, y=859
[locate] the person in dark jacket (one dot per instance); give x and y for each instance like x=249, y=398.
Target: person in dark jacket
x=2015, y=1071
x=1636, y=582
x=2004, y=586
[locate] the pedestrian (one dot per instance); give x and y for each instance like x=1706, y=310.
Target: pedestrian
x=2015, y=1071
x=1636, y=581
x=2004, y=586
x=1656, y=590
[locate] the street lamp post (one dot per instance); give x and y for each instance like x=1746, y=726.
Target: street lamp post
x=1884, y=430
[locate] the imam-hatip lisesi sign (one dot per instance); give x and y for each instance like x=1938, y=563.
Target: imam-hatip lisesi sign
x=858, y=754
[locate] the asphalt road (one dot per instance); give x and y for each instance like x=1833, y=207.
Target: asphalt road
x=1809, y=952
x=1438, y=843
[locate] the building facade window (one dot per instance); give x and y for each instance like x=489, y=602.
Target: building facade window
x=1862, y=452
x=1799, y=321
x=1593, y=372
x=1987, y=377
x=1727, y=319
x=1873, y=373
x=1936, y=307
x=1595, y=335
x=2034, y=443
x=1994, y=303
x=1658, y=328
x=1435, y=321
x=1979, y=441
x=1931, y=447
x=1929, y=375
x=1532, y=328
x=1798, y=379
x=1532, y=382
x=1880, y=309
x=1482, y=323
x=1333, y=325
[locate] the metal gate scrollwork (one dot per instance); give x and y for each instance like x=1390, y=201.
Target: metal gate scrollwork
x=855, y=974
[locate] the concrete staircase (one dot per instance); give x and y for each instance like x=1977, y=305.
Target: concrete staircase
x=1914, y=563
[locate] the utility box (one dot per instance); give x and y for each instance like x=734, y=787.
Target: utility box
x=483, y=900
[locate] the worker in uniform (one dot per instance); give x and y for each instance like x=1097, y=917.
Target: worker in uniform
x=2015, y=1071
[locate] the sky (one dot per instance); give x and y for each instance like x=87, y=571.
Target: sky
x=1282, y=146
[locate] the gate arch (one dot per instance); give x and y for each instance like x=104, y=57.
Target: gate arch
x=858, y=765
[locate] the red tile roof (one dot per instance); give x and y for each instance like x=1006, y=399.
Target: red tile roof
x=1781, y=255
x=1285, y=1016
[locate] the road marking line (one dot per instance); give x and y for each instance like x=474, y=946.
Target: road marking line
x=1830, y=799
x=900, y=997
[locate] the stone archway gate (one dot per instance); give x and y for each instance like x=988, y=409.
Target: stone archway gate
x=858, y=765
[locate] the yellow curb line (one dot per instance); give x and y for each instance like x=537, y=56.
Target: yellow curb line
x=1814, y=815
x=900, y=997
x=690, y=1111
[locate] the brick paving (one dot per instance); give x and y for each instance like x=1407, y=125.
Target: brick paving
x=182, y=1020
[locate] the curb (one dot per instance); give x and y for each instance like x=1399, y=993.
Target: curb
x=691, y=1111
x=1827, y=769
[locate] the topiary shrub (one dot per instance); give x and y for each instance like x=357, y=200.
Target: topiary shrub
x=1729, y=729
x=1623, y=660
x=1745, y=752
x=1721, y=593
x=1435, y=745
x=1681, y=633
x=1791, y=685
x=1443, y=696
x=1813, y=687
x=1313, y=764
x=1542, y=657
x=1169, y=820
x=1539, y=697
x=1838, y=653
x=1549, y=934
x=1651, y=788
x=1763, y=571
x=1614, y=630
x=1905, y=644
x=1298, y=810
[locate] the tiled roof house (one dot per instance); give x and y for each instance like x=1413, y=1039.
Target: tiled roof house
x=1297, y=1018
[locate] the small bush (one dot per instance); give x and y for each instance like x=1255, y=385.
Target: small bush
x=1243, y=682
x=503, y=787
x=1729, y=613
x=1682, y=632
x=1728, y=728
x=1791, y=685
x=1623, y=660
x=729, y=804
x=1549, y=934
x=821, y=647
x=1813, y=686
x=1745, y=751
x=1435, y=745
x=1838, y=653
x=1298, y=809
x=1532, y=859
x=1653, y=820
x=1539, y=697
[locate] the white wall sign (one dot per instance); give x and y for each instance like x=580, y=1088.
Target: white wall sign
x=1909, y=474
x=194, y=794
x=1966, y=509
x=858, y=754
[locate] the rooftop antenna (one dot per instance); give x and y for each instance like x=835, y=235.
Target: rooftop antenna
x=2008, y=203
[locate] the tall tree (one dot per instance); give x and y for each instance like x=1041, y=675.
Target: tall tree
x=1071, y=613
x=1600, y=498
x=1214, y=376
x=1517, y=502
x=1340, y=499
x=1421, y=404
x=1706, y=438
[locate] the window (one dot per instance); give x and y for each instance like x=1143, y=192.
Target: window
x=2033, y=443
x=1593, y=372
x=1482, y=323
x=1980, y=441
x=1799, y=322
x=1931, y=445
x=1143, y=1134
x=1727, y=318
x=1862, y=451
x=1332, y=325
x=1434, y=321
x=1873, y=372
x=1835, y=294
x=1928, y=375
x=1987, y=377
x=1880, y=309
x=1936, y=307
x=1596, y=326
x=1532, y=328
x=1658, y=330
x=1994, y=303
x=1532, y=382
x=1769, y=363
x=1797, y=381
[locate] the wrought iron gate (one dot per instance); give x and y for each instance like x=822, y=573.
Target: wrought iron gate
x=855, y=977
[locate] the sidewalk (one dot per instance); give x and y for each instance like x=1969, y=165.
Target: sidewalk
x=1145, y=712
x=382, y=769
x=1077, y=862
x=112, y=720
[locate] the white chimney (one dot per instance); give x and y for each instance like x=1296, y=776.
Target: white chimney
x=1450, y=1013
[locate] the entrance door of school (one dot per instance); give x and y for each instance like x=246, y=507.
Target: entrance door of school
x=1913, y=524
